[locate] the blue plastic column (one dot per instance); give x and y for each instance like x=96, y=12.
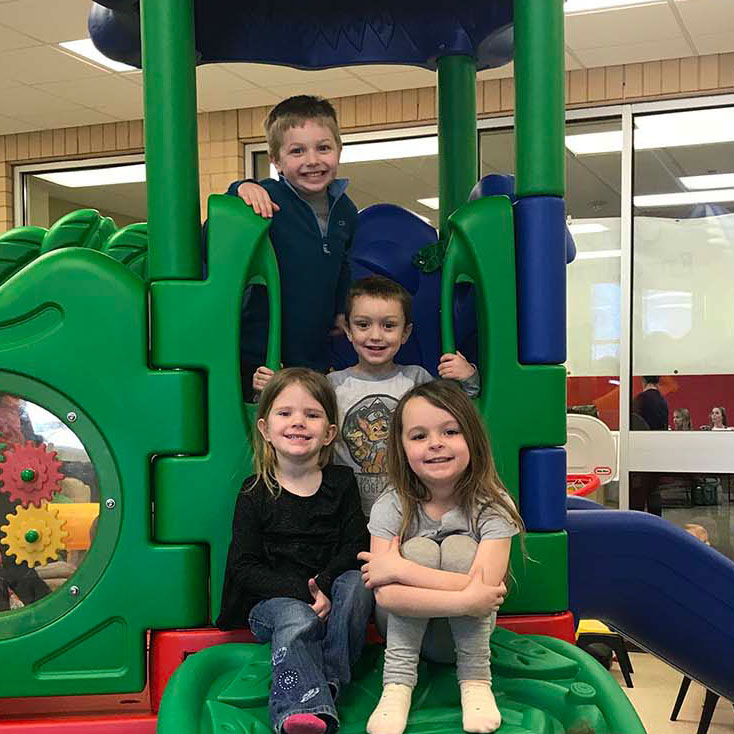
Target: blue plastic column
x=540, y=237
x=543, y=489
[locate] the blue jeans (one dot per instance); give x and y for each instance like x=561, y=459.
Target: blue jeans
x=312, y=659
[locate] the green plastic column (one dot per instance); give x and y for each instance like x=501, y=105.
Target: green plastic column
x=169, y=76
x=457, y=134
x=539, y=98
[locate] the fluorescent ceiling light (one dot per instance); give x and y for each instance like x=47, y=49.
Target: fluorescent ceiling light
x=390, y=149
x=684, y=198
x=86, y=49
x=671, y=130
x=589, y=6
x=80, y=177
x=598, y=254
x=586, y=228
x=709, y=181
x=431, y=203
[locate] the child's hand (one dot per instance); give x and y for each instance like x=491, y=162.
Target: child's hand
x=482, y=599
x=455, y=367
x=340, y=325
x=261, y=378
x=255, y=196
x=382, y=568
x=321, y=604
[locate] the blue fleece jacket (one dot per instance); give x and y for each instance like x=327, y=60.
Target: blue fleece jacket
x=314, y=276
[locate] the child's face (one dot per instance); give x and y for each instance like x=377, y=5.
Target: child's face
x=716, y=418
x=308, y=158
x=434, y=444
x=377, y=330
x=297, y=425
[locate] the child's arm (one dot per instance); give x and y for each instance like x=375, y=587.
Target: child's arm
x=261, y=377
x=254, y=196
x=415, y=590
x=456, y=367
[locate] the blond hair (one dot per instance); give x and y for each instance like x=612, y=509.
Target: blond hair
x=264, y=456
x=477, y=488
x=296, y=112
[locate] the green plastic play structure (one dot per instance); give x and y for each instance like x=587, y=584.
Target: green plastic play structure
x=120, y=337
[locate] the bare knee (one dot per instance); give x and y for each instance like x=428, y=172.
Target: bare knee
x=457, y=553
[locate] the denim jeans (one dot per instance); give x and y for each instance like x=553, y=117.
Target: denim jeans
x=312, y=659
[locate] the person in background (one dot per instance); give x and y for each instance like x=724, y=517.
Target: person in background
x=718, y=419
x=650, y=404
x=681, y=419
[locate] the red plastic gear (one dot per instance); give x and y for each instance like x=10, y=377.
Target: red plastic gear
x=19, y=484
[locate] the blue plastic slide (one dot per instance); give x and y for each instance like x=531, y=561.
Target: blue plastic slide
x=661, y=587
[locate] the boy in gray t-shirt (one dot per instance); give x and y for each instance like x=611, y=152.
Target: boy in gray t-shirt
x=378, y=324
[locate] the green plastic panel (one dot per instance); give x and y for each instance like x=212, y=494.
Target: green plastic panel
x=542, y=686
x=196, y=324
x=539, y=98
x=74, y=340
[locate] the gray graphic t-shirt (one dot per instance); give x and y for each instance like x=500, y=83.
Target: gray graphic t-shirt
x=366, y=405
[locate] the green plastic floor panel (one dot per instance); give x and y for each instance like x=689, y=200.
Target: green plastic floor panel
x=542, y=686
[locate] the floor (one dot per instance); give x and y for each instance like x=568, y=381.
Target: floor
x=655, y=691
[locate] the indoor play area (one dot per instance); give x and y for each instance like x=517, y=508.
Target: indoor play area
x=124, y=437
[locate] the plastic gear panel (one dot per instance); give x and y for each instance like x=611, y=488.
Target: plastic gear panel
x=44, y=468
x=43, y=545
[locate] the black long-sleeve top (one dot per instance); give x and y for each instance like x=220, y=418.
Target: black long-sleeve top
x=279, y=543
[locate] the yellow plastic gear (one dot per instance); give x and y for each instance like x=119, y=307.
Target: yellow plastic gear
x=34, y=534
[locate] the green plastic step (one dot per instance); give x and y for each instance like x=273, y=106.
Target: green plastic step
x=542, y=686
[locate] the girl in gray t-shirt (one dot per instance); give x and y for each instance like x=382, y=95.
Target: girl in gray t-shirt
x=440, y=549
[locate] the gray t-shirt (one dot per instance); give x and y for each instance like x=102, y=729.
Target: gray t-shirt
x=387, y=515
x=366, y=405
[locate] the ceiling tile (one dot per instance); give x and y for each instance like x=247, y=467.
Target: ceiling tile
x=265, y=75
x=621, y=27
x=634, y=53
x=10, y=39
x=326, y=88
x=217, y=75
x=365, y=71
x=54, y=21
x=703, y=16
x=404, y=80
x=44, y=64
x=96, y=92
x=8, y=126
x=21, y=101
x=716, y=43
x=211, y=99
x=68, y=118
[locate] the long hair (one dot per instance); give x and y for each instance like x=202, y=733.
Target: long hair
x=477, y=488
x=265, y=458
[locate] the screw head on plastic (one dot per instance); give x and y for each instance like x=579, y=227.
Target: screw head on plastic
x=74, y=590
x=109, y=503
x=71, y=416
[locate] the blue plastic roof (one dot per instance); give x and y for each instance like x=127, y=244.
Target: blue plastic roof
x=317, y=34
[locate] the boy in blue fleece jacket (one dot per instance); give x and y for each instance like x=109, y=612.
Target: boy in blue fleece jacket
x=312, y=228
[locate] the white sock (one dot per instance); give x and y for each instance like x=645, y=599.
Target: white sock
x=478, y=708
x=391, y=714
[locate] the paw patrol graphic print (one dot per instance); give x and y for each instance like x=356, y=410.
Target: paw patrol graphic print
x=364, y=432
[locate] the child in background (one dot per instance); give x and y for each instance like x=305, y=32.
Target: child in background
x=378, y=324
x=312, y=228
x=440, y=548
x=292, y=563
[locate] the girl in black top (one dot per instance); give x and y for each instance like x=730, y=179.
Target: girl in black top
x=292, y=563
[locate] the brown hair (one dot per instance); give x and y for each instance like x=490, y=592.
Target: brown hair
x=296, y=112
x=377, y=286
x=722, y=409
x=480, y=485
x=320, y=389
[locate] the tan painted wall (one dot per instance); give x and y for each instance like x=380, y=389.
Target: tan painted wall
x=221, y=134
